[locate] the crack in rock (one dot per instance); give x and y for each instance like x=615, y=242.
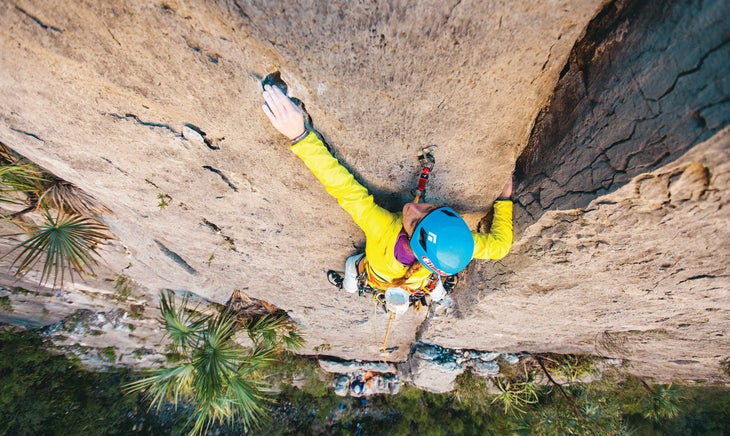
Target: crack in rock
x=38, y=21
x=694, y=69
x=23, y=132
x=191, y=131
x=175, y=258
x=218, y=231
x=222, y=176
x=135, y=118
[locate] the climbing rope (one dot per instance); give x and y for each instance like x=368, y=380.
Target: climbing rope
x=387, y=332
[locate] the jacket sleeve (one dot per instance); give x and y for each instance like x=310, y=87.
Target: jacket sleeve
x=341, y=184
x=496, y=244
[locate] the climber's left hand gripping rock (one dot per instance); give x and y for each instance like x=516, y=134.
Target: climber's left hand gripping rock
x=285, y=116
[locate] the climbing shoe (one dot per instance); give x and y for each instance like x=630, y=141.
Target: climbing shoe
x=450, y=282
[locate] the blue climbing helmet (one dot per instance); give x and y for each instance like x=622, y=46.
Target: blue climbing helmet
x=442, y=242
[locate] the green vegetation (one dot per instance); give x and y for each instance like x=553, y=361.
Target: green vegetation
x=109, y=354
x=5, y=304
x=221, y=381
x=49, y=394
x=64, y=243
x=69, y=234
x=46, y=393
x=516, y=394
x=163, y=200
x=122, y=288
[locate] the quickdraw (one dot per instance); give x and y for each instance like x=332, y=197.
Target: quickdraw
x=427, y=161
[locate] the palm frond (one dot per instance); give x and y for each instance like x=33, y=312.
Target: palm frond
x=70, y=198
x=664, y=403
x=16, y=179
x=183, y=326
x=250, y=398
x=216, y=359
x=293, y=340
x=67, y=242
x=165, y=384
x=268, y=328
x=7, y=155
x=260, y=357
x=516, y=395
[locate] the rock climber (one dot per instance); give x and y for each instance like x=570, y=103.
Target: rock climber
x=405, y=252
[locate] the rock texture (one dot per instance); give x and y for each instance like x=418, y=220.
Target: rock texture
x=637, y=274
x=144, y=103
x=153, y=108
x=631, y=270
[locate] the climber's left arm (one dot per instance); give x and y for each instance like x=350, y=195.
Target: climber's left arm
x=497, y=243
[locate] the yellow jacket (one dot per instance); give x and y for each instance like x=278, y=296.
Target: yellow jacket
x=381, y=226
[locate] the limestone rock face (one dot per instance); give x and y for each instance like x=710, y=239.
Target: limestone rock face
x=434, y=369
x=634, y=275
x=154, y=109
x=627, y=262
x=145, y=104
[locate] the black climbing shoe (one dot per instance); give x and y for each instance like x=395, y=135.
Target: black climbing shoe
x=450, y=283
x=335, y=278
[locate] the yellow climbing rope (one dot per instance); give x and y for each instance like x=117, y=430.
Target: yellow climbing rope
x=387, y=332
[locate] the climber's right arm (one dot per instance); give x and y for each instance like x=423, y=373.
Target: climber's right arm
x=354, y=198
x=341, y=184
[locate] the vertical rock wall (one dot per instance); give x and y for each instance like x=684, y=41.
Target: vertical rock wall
x=154, y=108
x=622, y=205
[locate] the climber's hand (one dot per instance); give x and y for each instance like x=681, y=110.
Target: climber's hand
x=285, y=116
x=507, y=188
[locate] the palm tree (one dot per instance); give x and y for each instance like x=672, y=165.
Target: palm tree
x=67, y=242
x=64, y=243
x=220, y=380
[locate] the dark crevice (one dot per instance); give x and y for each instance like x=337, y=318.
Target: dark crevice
x=222, y=176
x=32, y=135
x=150, y=182
x=211, y=57
x=240, y=10
x=692, y=70
x=37, y=21
x=200, y=132
x=217, y=230
x=600, y=129
x=700, y=277
x=135, y=118
x=176, y=258
x=115, y=167
x=211, y=144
